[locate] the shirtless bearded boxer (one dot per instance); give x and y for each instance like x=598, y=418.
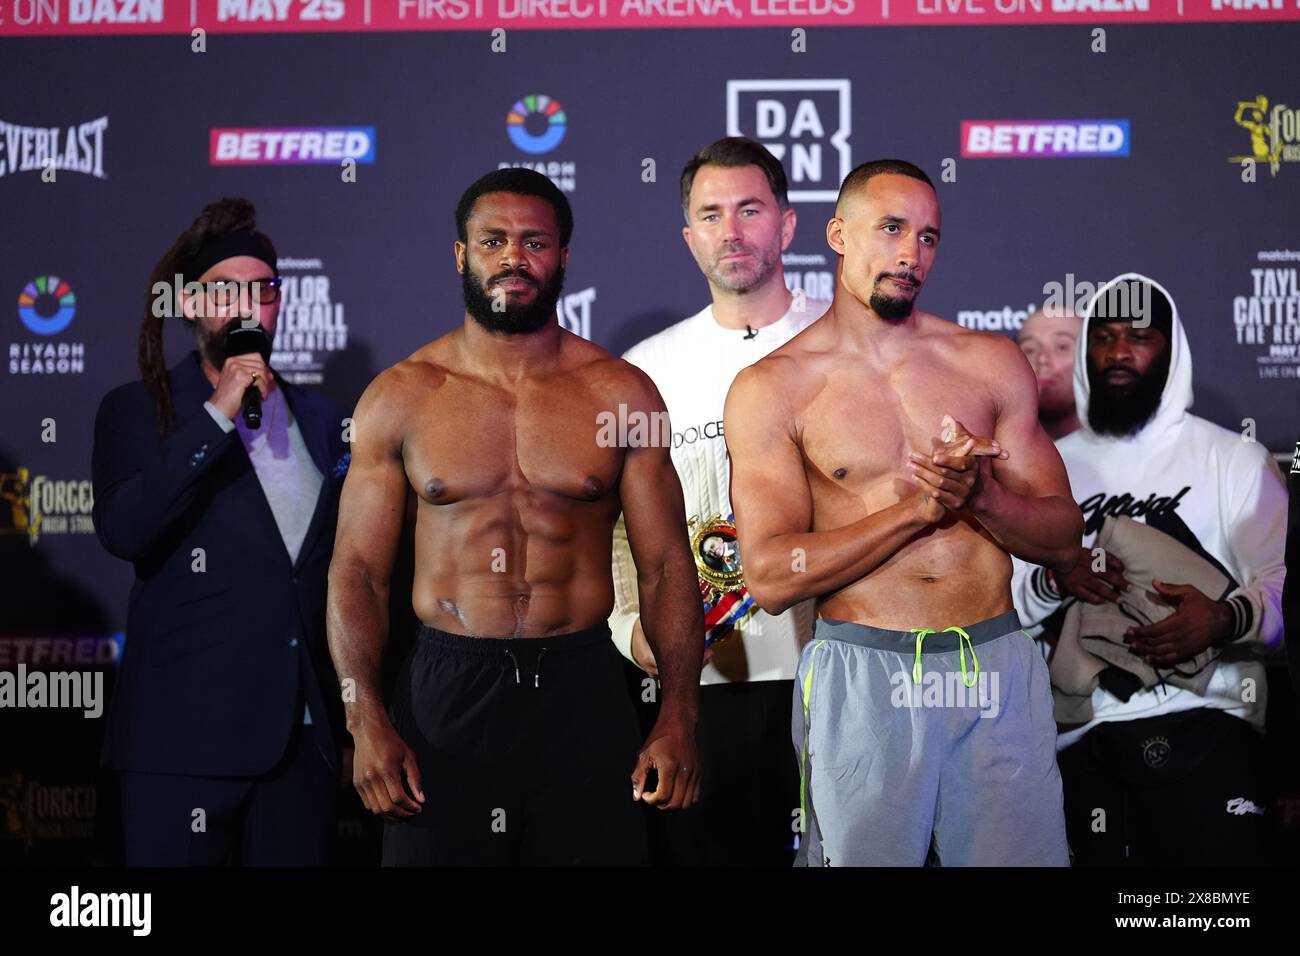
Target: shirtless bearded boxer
x=512, y=737
x=886, y=461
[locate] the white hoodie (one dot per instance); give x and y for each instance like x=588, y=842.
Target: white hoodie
x=1228, y=493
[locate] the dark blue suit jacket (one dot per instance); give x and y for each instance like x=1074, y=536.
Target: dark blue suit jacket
x=215, y=661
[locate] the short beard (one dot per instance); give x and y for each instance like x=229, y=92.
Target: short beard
x=212, y=345
x=766, y=264
x=890, y=306
x=519, y=320
x=1126, y=410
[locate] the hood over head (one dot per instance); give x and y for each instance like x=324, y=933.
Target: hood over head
x=1125, y=291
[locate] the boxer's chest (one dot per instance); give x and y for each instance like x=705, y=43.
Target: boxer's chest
x=476, y=441
x=861, y=427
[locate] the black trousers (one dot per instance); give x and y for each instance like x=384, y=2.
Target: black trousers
x=749, y=785
x=525, y=749
x=286, y=817
x=1180, y=789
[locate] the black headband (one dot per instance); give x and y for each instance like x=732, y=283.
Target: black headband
x=227, y=245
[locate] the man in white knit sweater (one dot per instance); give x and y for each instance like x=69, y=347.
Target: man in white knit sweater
x=738, y=222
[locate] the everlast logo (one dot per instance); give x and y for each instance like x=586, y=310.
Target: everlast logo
x=78, y=149
x=1099, y=507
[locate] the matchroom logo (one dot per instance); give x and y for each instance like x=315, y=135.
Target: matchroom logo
x=291, y=145
x=1040, y=139
x=803, y=123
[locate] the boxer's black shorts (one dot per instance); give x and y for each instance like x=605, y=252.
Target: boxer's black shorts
x=526, y=749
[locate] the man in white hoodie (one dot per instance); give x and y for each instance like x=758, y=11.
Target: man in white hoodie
x=1162, y=774
x=738, y=222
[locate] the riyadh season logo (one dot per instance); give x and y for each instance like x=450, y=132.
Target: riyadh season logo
x=46, y=307
x=536, y=125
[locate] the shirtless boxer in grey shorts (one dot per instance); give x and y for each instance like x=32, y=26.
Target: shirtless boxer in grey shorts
x=860, y=477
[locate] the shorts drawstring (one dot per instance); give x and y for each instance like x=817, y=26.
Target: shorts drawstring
x=537, y=674
x=963, y=636
x=922, y=632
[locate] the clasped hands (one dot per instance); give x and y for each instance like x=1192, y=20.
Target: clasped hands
x=956, y=474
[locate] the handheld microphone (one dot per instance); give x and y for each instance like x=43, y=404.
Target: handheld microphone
x=244, y=341
x=750, y=333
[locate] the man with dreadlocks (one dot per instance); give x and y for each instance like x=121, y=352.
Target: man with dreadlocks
x=226, y=725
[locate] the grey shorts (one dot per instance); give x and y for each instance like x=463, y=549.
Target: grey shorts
x=916, y=740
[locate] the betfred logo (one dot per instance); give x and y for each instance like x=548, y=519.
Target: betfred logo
x=1037, y=139
x=292, y=145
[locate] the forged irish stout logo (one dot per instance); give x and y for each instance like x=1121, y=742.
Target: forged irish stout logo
x=32, y=811
x=34, y=505
x=1274, y=131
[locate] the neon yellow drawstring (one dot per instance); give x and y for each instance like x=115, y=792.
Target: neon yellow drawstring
x=963, y=636
x=922, y=632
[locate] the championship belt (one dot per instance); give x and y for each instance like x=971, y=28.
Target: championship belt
x=722, y=581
